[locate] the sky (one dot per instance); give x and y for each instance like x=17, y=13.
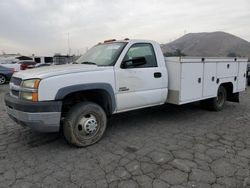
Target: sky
x=46, y=27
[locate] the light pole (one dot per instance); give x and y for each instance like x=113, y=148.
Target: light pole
x=69, y=50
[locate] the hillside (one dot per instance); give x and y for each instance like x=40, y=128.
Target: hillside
x=209, y=44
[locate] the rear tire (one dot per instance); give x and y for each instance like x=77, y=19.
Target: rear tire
x=2, y=79
x=217, y=103
x=84, y=124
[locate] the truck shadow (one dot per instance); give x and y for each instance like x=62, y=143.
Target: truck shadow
x=40, y=139
x=144, y=117
x=125, y=122
x=119, y=122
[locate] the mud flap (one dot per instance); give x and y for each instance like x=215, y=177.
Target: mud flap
x=233, y=97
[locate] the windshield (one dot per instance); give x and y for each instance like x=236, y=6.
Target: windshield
x=103, y=54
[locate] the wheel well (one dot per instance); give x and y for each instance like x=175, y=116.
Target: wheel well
x=98, y=96
x=228, y=86
x=230, y=95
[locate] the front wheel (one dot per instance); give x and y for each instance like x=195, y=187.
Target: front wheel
x=85, y=124
x=218, y=103
x=2, y=79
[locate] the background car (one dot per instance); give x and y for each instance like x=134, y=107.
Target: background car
x=14, y=66
x=42, y=65
x=5, y=74
x=27, y=64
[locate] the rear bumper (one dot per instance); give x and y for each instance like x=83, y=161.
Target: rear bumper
x=39, y=116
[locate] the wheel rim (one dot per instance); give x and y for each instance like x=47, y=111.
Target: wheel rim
x=2, y=79
x=87, y=127
x=220, y=98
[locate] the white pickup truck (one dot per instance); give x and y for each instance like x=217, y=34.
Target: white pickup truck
x=114, y=77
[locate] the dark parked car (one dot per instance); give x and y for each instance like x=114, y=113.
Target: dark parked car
x=5, y=74
x=248, y=74
x=27, y=64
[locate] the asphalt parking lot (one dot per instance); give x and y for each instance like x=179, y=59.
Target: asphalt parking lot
x=167, y=146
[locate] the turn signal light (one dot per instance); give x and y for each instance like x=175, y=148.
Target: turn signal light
x=35, y=97
x=36, y=84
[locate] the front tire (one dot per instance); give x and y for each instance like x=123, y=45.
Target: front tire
x=85, y=124
x=2, y=79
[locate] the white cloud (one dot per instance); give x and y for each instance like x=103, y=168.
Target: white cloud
x=42, y=27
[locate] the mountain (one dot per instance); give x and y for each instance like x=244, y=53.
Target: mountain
x=215, y=44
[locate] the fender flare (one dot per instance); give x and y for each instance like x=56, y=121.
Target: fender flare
x=63, y=92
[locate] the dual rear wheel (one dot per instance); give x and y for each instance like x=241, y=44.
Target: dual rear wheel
x=217, y=103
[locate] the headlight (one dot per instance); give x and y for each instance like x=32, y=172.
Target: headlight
x=31, y=83
x=29, y=90
x=26, y=95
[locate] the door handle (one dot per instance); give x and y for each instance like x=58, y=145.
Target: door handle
x=157, y=74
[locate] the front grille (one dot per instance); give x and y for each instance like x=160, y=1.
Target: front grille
x=16, y=81
x=15, y=93
x=14, y=86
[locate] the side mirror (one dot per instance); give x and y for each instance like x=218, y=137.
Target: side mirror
x=137, y=61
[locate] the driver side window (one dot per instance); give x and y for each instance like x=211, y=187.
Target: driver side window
x=141, y=50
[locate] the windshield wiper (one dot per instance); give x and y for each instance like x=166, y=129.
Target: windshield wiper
x=88, y=63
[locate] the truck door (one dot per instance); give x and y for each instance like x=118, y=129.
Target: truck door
x=138, y=85
x=242, y=76
x=191, y=82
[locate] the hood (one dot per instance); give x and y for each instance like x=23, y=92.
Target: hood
x=55, y=70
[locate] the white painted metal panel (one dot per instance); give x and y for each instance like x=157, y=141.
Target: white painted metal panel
x=191, y=81
x=242, y=76
x=227, y=69
x=174, y=75
x=134, y=100
x=144, y=89
x=49, y=87
x=209, y=80
x=137, y=87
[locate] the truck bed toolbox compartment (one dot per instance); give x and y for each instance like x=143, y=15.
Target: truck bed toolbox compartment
x=195, y=78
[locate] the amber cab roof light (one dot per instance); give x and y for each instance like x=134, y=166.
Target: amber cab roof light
x=110, y=40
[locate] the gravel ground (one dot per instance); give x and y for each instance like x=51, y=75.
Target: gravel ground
x=166, y=146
